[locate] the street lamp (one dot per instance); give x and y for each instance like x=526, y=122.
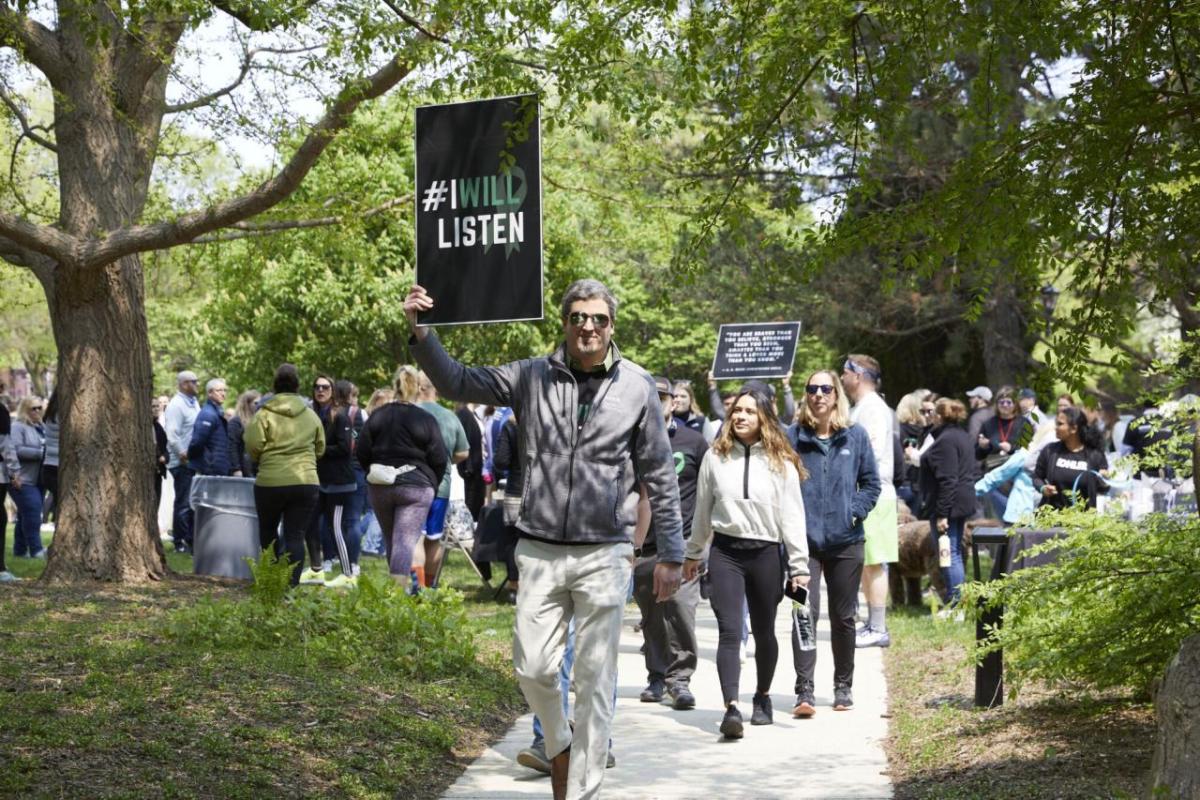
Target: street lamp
x=1049, y=296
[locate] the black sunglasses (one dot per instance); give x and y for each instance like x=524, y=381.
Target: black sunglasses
x=579, y=319
x=825, y=388
x=321, y=386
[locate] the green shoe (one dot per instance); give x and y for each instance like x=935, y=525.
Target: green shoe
x=341, y=582
x=311, y=577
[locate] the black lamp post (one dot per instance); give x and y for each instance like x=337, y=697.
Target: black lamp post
x=1049, y=296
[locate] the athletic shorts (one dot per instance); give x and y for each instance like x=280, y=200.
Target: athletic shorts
x=435, y=523
x=883, y=540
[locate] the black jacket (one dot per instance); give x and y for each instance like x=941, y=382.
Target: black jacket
x=399, y=434
x=237, y=447
x=471, y=467
x=508, y=457
x=948, y=475
x=997, y=430
x=336, y=466
x=160, y=449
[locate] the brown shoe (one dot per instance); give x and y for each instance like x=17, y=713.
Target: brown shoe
x=560, y=765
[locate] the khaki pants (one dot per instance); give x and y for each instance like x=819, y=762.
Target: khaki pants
x=589, y=583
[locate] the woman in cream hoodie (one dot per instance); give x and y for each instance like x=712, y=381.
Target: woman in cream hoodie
x=748, y=503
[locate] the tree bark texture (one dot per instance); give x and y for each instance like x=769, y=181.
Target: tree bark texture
x=1176, y=767
x=1003, y=331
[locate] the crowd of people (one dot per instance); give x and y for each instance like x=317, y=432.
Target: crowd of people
x=616, y=484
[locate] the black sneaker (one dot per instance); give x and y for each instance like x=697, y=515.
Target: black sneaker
x=762, y=710
x=843, y=700
x=654, y=692
x=731, y=725
x=806, y=704
x=682, y=698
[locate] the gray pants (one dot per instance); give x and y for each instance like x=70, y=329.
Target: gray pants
x=669, y=628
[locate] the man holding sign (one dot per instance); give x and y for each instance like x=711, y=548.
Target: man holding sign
x=593, y=429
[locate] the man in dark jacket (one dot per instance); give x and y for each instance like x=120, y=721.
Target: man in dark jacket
x=593, y=428
x=669, y=628
x=208, y=452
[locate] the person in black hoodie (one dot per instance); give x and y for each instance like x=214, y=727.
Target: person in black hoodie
x=948, y=486
x=471, y=470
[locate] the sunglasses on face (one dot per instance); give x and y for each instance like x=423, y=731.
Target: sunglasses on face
x=927, y=411
x=579, y=319
x=1004, y=402
x=322, y=387
x=36, y=408
x=825, y=388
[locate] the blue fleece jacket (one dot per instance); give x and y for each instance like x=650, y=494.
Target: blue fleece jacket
x=842, y=485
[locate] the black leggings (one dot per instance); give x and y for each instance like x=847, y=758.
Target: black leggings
x=842, y=569
x=3, y=524
x=754, y=575
x=295, y=506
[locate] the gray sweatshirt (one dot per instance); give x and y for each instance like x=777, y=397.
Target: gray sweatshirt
x=581, y=480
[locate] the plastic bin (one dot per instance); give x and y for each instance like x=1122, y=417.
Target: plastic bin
x=225, y=531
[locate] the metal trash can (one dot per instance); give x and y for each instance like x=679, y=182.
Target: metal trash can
x=225, y=531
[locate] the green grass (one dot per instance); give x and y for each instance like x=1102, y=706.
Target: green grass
x=98, y=699
x=1045, y=743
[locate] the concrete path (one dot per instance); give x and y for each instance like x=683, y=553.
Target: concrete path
x=668, y=754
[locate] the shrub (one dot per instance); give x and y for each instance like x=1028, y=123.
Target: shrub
x=1111, y=611
x=377, y=623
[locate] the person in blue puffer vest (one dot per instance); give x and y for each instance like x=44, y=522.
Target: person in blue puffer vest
x=208, y=452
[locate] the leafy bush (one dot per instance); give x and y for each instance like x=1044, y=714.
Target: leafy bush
x=1111, y=611
x=272, y=578
x=377, y=623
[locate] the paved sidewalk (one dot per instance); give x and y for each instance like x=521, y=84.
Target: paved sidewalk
x=668, y=754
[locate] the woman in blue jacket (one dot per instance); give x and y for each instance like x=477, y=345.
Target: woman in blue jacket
x=842, y=487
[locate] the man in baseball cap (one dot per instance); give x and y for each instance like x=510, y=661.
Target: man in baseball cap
x=980, y=401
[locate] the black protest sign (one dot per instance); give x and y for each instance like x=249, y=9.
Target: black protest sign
x=755, y=350
x=479, y=210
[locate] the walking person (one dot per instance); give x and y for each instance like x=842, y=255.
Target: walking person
x=948, y=487
x=285, y=438
x=593, y=428
x=748, y=503
x=179, y=419
x=669, y=627
x=861, y=376
x=29, y=442
x=427, y=559
x=841, y=490
x=402, y=450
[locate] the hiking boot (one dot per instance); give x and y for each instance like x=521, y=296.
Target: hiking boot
x=869, y=637
x=843, y=700
x=806, y=704
x=731, y=725
x=534, y=757
x=682, y=698
x=762, y=710
x=654, y=692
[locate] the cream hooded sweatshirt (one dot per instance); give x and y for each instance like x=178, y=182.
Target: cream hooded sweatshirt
x=741, y=495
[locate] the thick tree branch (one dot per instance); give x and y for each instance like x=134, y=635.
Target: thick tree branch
x=248, y=230
x=35, y=41
x=261, y=17
x=30, y=132
x=244, y=70
x=162, y=235
x=42, y=239
x=21, y=256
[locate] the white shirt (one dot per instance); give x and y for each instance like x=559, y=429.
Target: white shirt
x=874, y=416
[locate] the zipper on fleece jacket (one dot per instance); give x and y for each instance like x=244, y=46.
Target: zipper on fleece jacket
x=746, y=472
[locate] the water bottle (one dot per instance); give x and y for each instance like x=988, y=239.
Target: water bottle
x=802, y=623
x=943, y=551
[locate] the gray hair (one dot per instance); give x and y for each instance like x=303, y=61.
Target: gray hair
x=214, y=383
x=589, y=289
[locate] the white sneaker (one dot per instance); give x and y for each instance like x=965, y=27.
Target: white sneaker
x=328, y=565
x=8, y=577
x=355, y=570
x=869, y=637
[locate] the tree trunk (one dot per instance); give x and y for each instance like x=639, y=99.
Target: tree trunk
x=1176, y=767
x=1002, y=328
x=107, y=525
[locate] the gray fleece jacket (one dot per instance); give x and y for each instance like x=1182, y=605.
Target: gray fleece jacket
x=581, y=481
